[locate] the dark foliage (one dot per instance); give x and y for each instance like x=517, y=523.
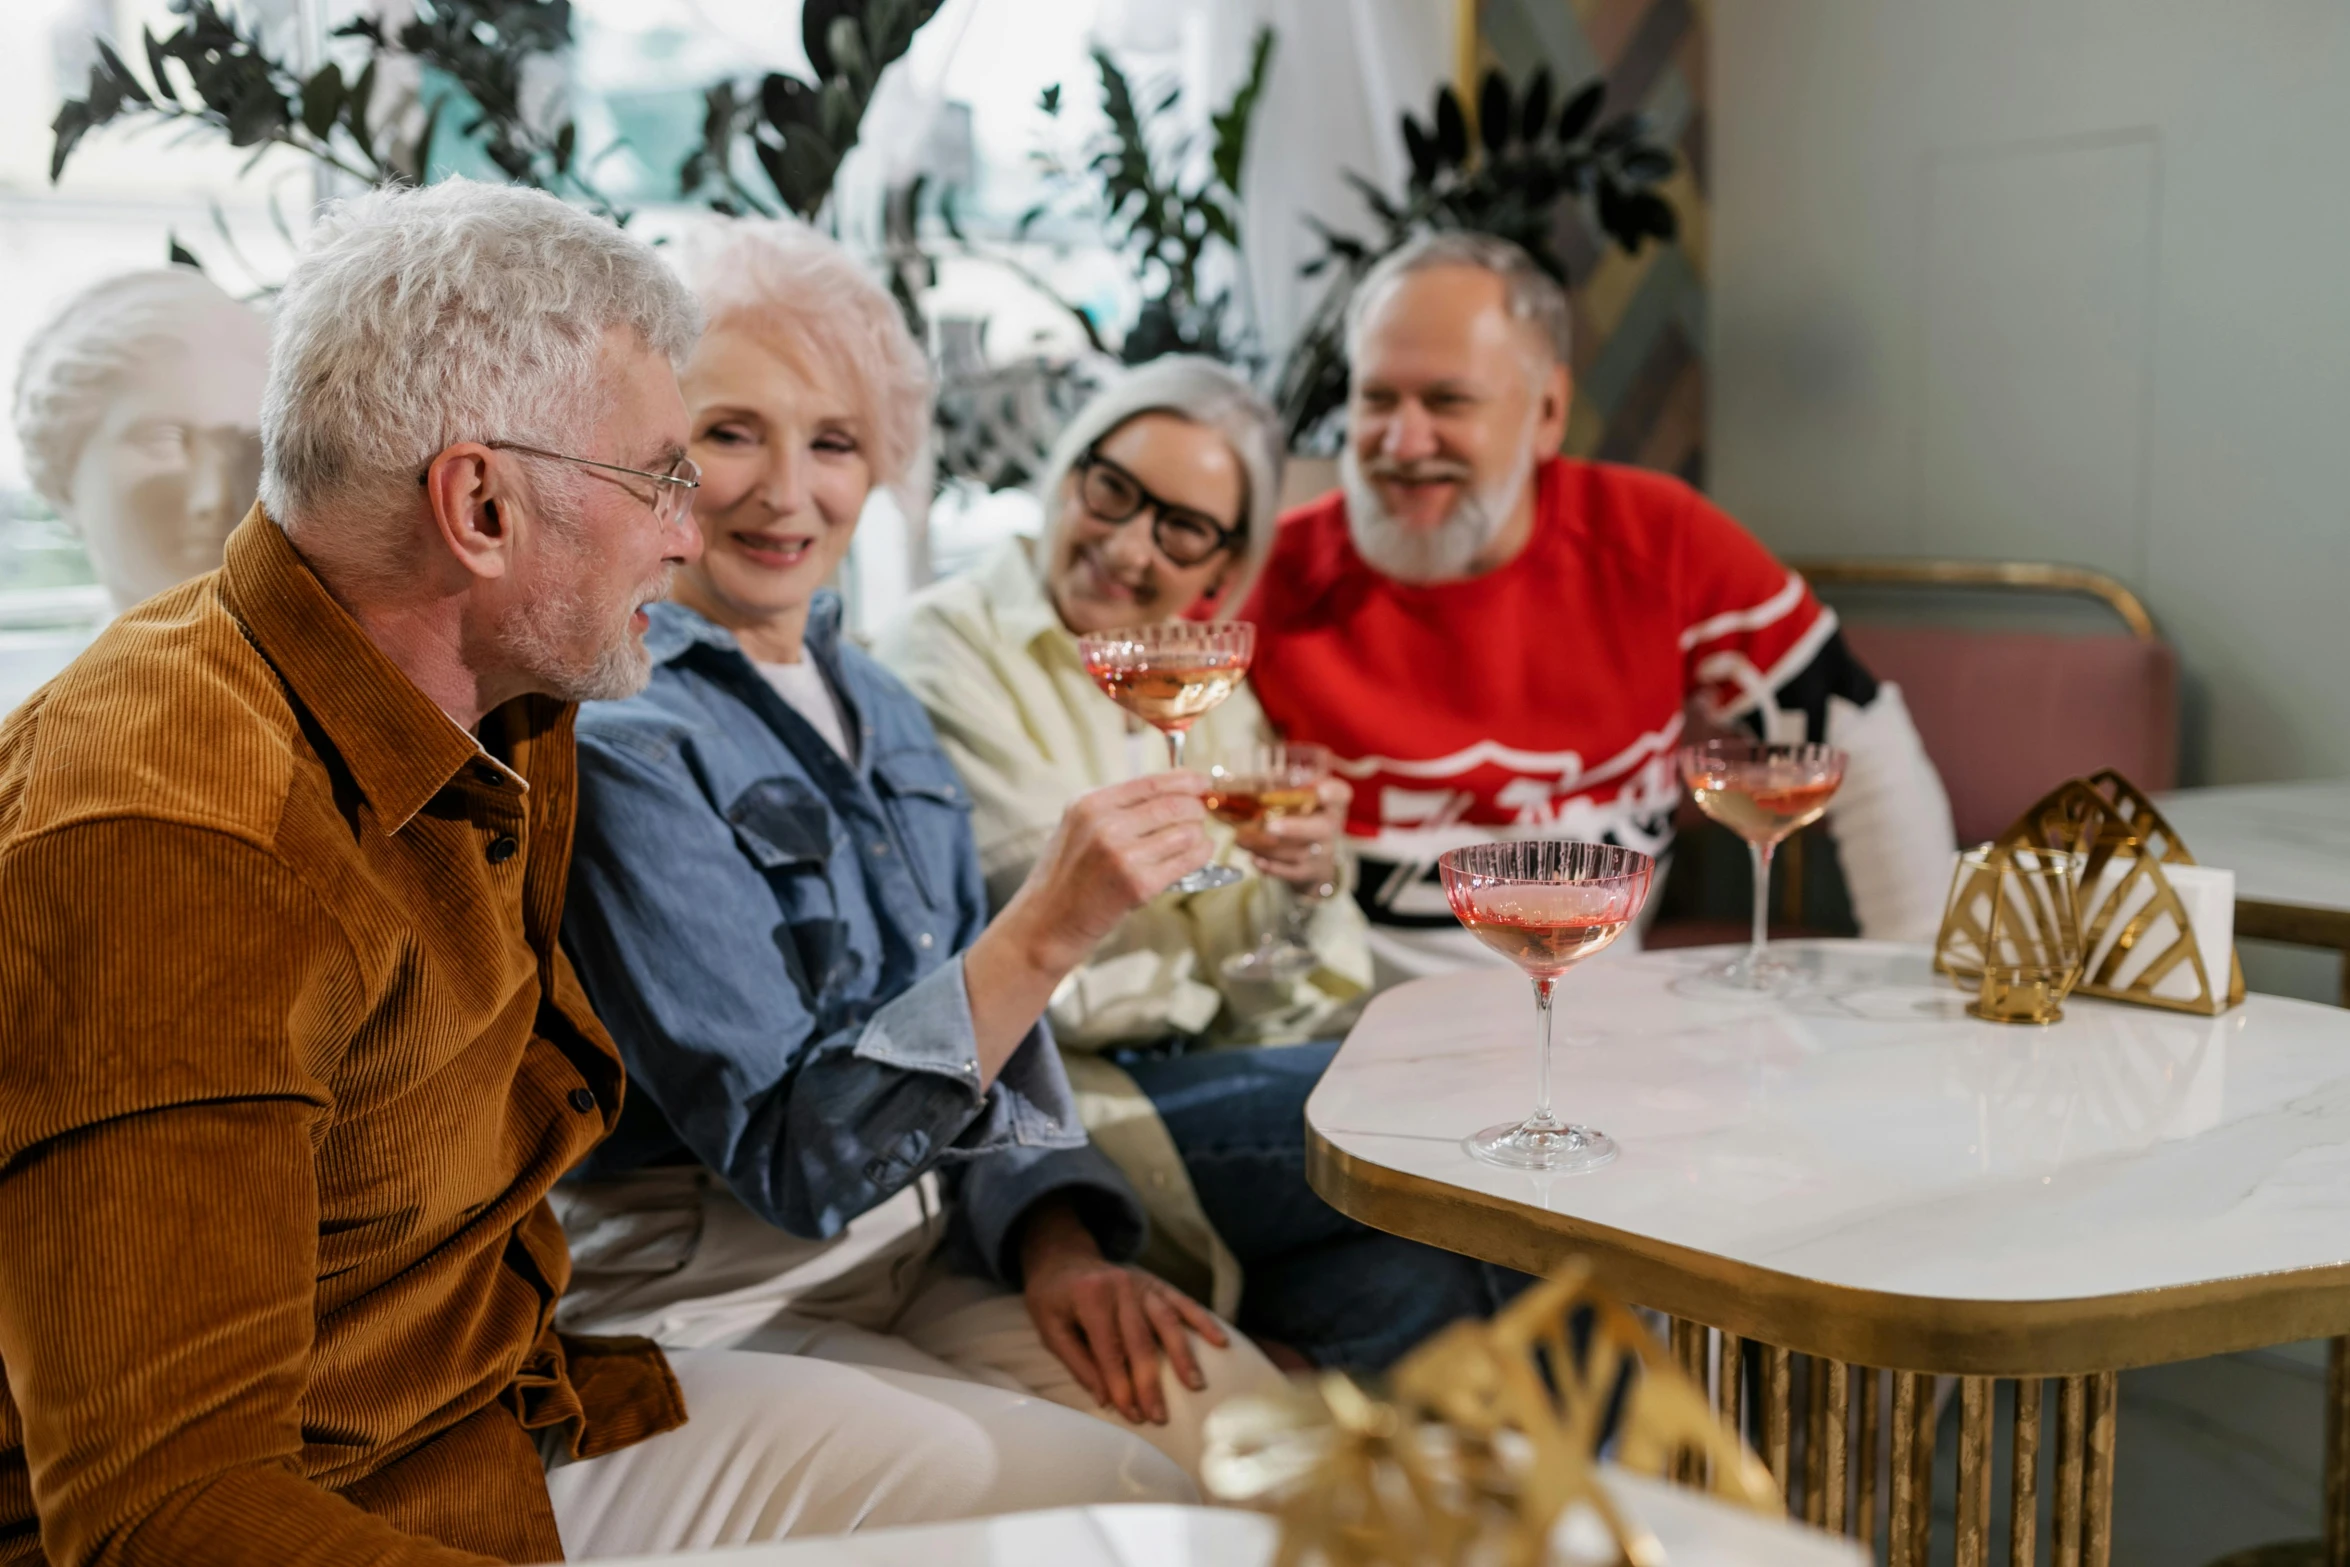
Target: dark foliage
x=799, y=131
x=1132, y=179
x=1529, y=162
x=212, y=71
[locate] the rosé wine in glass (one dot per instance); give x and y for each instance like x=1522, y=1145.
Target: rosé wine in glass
x=1275, y=781
x=1763, y=793
x=1167, y=674
x=1546, y=906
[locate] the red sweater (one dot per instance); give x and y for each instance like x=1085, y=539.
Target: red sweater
x=1545, y=697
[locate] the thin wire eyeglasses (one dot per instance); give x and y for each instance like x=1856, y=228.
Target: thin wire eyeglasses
x=1184, y=536
x=669, y=502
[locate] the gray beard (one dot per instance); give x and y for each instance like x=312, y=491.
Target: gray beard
x=536, y=640
x=1444, y=552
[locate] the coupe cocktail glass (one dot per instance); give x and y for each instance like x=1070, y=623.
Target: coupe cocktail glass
x=1546, y=906
x=1271, y=782
x=1763, y=793
x=1167, y=675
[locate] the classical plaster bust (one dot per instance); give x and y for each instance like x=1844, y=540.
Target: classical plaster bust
x=139, y=407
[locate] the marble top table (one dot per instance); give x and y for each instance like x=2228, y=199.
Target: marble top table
x=1694, y=1530
x=1866, y=1173
x=2289, y=845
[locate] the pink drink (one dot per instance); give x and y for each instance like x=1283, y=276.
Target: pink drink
x=1544, y=929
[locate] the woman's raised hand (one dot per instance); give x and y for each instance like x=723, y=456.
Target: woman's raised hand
x=1301, y=850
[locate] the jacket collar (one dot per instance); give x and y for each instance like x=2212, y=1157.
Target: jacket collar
x=675, y=629
x=400, y=747
x=1013, y=586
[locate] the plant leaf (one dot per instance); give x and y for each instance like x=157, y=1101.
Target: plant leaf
x=816, y=19
x=1650, y=213
x=787, y=101
x=1421, y=148
x=1452, y=130
x=73, y=122
x=322, y=100
x=1619, y=132
x=179, y=255
x=848, y=53
x=129, y=84
x=1231, y=124
x=1496, y=118
x=358, y=104
x=1647, y=164
x=1050, y=100
x=156, y=61
x=1534, y=113
x=1581, y=110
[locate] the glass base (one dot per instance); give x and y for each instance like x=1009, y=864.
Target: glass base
x=1743, y=979
x=1542, y=1145
x=1205, y=877
x=1271, y=962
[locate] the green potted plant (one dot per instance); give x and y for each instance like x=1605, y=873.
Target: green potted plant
x=1529, y=159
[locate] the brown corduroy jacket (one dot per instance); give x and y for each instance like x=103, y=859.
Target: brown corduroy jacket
x=289, y=1057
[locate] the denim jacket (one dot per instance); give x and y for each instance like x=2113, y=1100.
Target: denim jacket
x=772, y=935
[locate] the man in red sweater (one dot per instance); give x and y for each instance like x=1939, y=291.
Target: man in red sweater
x=1498, y=642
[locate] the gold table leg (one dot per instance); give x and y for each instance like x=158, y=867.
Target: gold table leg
x=1865, y=1521
x=2337, y=1494
x=1815, y=1440
x=2072, y=1408
x=1921, y=1521
x=1900, y=1534
x=1839, y=1402
x=2023, y=1495
x=1776, y=1394
x=2097, y=1503
x=1974, y=1472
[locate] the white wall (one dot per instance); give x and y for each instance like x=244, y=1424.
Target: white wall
x=2056, y=279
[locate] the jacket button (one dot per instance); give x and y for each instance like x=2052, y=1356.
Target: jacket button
x=582, y=1100
x=502, y=848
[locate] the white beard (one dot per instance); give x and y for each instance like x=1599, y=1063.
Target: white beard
x=1448, y=550
x=539, y=637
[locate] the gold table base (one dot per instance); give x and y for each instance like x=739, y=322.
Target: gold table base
x=1820, y=1434
x=1843, y=1466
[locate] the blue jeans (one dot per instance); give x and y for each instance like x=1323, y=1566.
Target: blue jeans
x=1340, y=1292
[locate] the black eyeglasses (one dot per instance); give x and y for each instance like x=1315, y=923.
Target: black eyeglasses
x=670, y=500
x=1113, y=495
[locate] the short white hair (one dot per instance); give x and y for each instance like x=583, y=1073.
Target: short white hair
x=80, y=358
x=797, y=290
x=1533, y=298
x=1199, y=389
x=415, y=319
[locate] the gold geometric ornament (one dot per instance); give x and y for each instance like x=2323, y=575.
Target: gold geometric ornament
x=2133, y=929
x=1485, y=1439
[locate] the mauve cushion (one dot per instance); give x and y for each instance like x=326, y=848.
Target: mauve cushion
x=2009, y=715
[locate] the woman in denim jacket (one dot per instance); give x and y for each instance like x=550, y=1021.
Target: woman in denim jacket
x=848, y=1135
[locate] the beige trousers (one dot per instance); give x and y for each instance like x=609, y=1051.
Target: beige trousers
x=778, y=1446
x=673, y=1255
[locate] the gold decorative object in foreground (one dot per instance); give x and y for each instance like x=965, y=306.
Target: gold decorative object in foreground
x=2005, y=930
x=1472, y=1455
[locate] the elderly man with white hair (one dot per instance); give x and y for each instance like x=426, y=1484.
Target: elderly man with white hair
x=1497, y=641
x=293, y=1052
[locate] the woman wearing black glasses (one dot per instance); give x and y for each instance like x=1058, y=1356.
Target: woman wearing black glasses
x=1159, y=503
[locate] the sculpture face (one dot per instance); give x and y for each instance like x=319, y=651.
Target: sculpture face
x=174, y=462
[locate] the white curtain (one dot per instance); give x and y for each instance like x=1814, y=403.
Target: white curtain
x=1344, y=71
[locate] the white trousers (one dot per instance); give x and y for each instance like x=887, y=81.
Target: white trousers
x=776, y=1446
x=837, y=1372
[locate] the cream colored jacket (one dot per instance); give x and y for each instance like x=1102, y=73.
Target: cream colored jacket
x=1029, y=730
